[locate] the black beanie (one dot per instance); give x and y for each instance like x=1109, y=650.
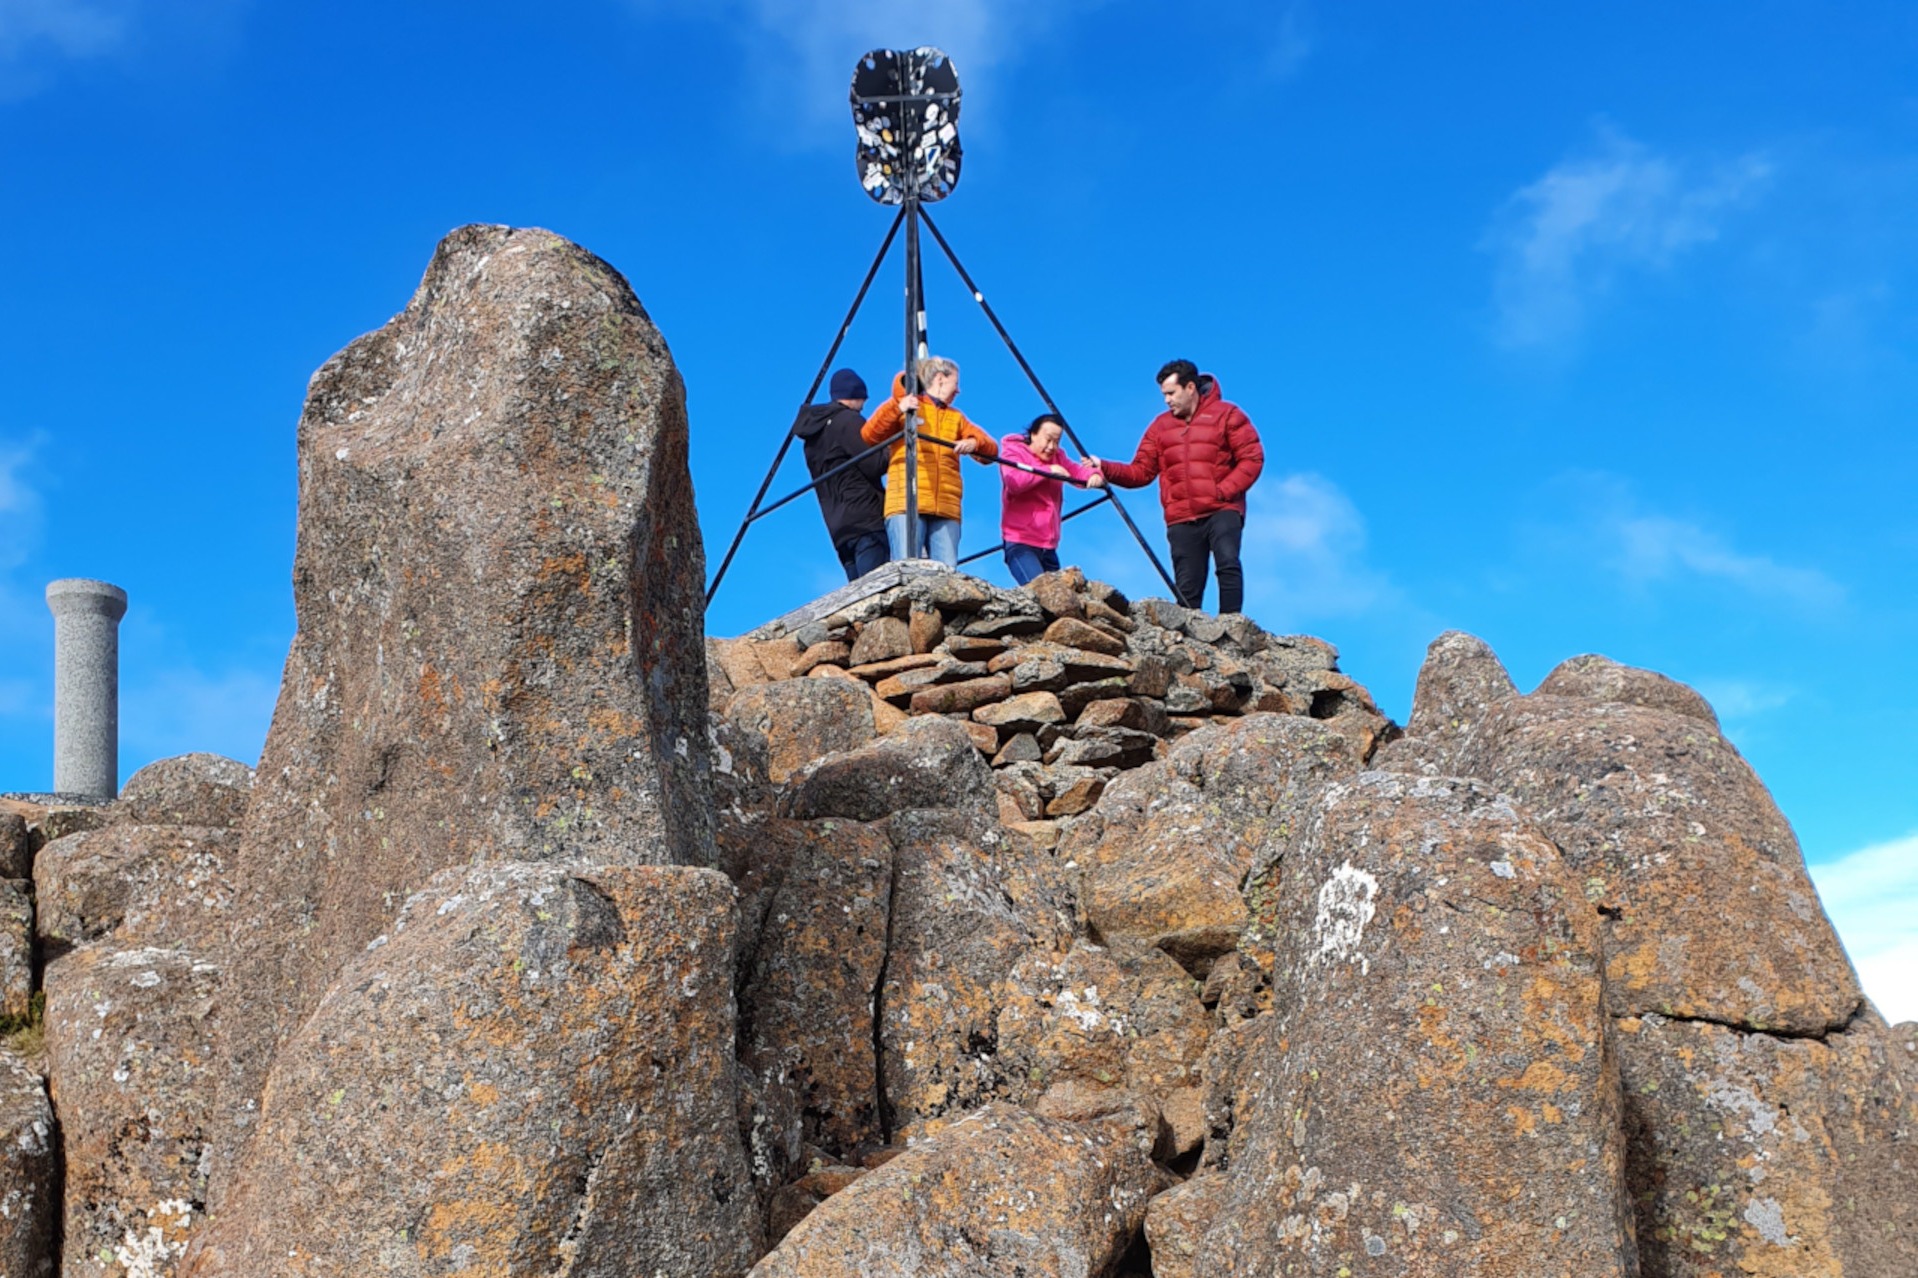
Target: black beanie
x=847, y=385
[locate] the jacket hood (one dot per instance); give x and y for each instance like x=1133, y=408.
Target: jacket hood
x=813, y=418
x=1209, y=388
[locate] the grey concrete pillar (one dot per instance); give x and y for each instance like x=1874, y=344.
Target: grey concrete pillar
x=86, y=685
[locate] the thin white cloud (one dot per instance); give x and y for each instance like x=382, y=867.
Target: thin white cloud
x=1564, y=240
x=1303, y=551
x=1291, y=42
x=70, y=28
x=180, y=710
x=1597, y=519
x=38, y=38
x=1657, y=548
x=809, y=47
x=1738, y=700
x=1872, y=898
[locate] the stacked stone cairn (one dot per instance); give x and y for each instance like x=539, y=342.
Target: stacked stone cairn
x=1062, y=685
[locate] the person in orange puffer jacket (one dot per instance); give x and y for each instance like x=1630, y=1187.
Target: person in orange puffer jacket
x=940, y=484
x=1205, y=454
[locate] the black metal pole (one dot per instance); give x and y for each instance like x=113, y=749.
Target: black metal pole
x=913, y=303
x=979, y=297
x=845, y=326
x=842, y=467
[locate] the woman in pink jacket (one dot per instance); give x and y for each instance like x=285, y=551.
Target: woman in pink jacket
x=1029, y=522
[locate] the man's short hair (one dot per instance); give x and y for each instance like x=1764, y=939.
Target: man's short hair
x=1184, y=369
x=933, y=365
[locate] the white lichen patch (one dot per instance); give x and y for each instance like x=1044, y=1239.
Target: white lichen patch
x=1345, y=907
x=1768, y=1218
x=152, y=1251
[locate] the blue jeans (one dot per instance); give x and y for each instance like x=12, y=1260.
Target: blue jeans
x=862, y=554
x=1027, y=562
x=938, y=538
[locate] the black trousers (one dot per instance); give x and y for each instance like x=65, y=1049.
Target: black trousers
x=1217, y=536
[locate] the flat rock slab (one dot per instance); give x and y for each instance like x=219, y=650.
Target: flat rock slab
x=1003, y=1192
x=532, y=1073
x=1433, y=1091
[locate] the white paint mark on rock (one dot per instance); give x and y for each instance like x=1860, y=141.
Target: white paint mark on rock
x=1345, y=907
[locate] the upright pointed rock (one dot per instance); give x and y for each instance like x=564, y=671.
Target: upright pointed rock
x=498, y=585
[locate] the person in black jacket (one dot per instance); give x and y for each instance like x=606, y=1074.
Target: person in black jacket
x=853, y=501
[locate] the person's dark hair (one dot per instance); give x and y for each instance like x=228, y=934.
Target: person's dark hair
x=1042, y=419
x=1184, y=369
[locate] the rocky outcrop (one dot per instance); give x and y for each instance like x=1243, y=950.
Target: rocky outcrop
x=1434, y=1089
x=935, y=928
x=1761, y=1094
x=498, y=586
x=1707, y=908
x=531, y=1073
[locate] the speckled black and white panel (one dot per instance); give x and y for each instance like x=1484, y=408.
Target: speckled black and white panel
x=906, y=108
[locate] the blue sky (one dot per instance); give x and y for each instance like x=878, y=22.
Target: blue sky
x=1583, y=331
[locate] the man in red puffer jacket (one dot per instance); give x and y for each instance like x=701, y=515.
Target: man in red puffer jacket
x=1205, y=454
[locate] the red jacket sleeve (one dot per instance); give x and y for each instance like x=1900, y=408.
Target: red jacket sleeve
x=1144, y=466
x=1248, y=456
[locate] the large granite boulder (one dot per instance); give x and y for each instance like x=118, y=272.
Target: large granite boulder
x=1100, y=1019
x=499, y=591
x=128, y=1032
x=188, y=789
x=163, y=885
x=1707, y=909
x=531, y=1073
x=1434, y=1091
x=815, y=897
x=1596, y=678
x=788, y=724
x=1459, y=683
x=969, y=901
x=1781, y=1157
x=29, y=1174
x=1002, y=1192
x=1170, y=846
x=925, y=763
x=16, y=951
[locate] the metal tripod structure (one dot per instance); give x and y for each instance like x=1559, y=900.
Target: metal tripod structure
x=909, y=155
